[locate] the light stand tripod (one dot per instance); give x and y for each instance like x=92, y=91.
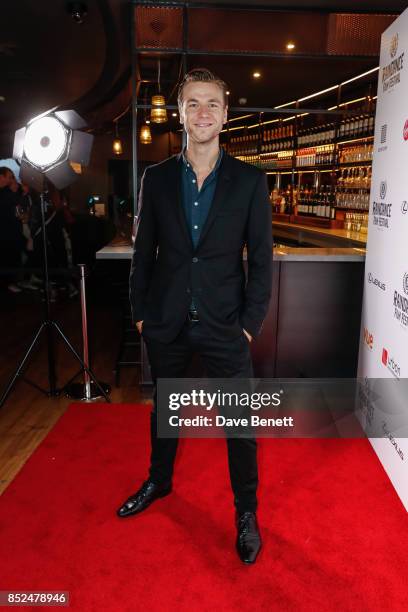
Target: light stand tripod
x=49, y=325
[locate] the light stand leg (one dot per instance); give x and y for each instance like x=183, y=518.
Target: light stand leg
x=20, y=368
x=52, y=378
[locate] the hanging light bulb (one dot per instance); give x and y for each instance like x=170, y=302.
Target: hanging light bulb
x=145, y=134
x=158, y=113
x=117, y=143
x=117, y=146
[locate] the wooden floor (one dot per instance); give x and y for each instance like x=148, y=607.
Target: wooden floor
x=28, y=415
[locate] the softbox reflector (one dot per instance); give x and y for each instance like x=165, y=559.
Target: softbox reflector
x=31, y=177
x=18, y=148
x=62, y=175
x=81, y=146
x=71, y=119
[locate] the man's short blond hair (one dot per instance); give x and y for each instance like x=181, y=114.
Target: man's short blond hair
x=202, y=75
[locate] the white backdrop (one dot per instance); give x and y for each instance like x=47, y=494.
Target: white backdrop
x=384, y=330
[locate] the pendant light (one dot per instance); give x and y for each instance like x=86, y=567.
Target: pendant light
x=158, y=113
x=117, y=143
x=145, y=134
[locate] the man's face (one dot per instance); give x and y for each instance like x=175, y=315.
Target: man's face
x=202, y=111
x=5, y=179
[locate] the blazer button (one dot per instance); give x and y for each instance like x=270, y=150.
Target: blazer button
x=195, y=259
x=188, y=290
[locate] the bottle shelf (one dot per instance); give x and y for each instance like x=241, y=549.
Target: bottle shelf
x=347, y=141
x=359, y=164
x=352, y=209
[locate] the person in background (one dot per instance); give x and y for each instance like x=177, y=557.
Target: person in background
x=58, y=243
x=12, y=240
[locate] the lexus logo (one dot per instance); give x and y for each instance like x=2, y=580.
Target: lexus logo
x=375, y=281
x=383, y=189
x=394, y=45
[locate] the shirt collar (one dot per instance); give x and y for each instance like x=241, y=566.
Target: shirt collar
x=188, y=165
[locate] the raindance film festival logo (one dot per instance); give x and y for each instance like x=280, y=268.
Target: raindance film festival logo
x=382, y=210
x=391, y=73
x=390, y=363
x=375, y=281
x=401, y=303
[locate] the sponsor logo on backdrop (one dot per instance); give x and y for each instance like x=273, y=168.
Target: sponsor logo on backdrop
x=405, y=283
x=394, y=45
x=405, y=130
x=391, y=73
x=382, y=210
x=375, y=281
x=383, y=138
x=401, y=303
x=392, y=440
x=390, y=363
x=368, y=338
x=404, y=207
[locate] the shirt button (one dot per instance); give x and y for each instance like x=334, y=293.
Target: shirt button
x=196, y=227
x=195, y=259
x=195, y=203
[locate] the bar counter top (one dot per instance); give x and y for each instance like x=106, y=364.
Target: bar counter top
x=319, y=236
x=121, y=250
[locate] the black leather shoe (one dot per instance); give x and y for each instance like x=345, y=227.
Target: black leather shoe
x=248, y=537
x=139, y=501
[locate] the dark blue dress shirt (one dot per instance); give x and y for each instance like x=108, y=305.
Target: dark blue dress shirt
x=197, y=203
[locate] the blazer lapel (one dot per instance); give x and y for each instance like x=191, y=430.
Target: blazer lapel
x=221, y=191
x=174, y=190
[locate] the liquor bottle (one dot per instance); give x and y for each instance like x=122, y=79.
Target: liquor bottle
x=361, y=125
x=365, y=125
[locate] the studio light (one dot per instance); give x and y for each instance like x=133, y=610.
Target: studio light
x=50, y=146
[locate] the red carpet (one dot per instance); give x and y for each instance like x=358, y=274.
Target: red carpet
x=335, y=533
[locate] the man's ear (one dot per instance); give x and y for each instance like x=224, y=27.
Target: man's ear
x=225, y=119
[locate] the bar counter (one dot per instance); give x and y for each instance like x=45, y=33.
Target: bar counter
x=313, y=323
x=317, y=236
x=282, y=253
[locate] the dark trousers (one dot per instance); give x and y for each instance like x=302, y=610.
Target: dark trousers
x=222, y=359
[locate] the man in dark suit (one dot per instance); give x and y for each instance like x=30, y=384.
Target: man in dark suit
x=188, y=290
